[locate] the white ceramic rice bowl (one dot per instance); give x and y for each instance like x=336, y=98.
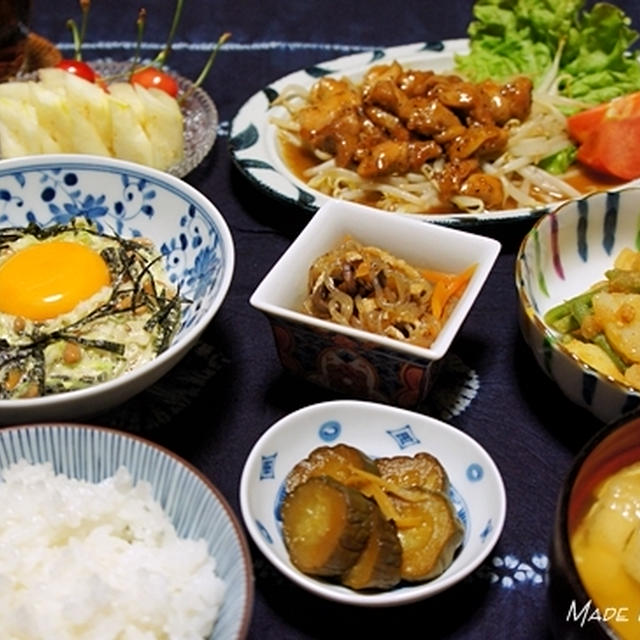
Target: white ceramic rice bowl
x=130, y=200
x=195, y=506
x=477, y=489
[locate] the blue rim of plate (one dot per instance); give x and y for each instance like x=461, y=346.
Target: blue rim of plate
x=253, y=147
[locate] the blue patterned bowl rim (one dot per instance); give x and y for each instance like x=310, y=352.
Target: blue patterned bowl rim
x=204, y=276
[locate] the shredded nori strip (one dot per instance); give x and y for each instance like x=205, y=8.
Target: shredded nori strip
x=133, y=288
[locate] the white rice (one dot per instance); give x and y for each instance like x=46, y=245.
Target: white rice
x=98, y=561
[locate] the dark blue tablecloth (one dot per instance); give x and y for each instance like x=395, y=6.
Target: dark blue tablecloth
x=231, y=387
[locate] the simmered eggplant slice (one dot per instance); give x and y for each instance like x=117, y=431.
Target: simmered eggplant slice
x=325, y=526
x=337, y=461
x=379, y=564
x=423, y=471
x=431, y=540
x=370, y=524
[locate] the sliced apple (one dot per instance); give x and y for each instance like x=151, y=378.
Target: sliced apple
x=130, y=142
x=65, y=113
x=15, y=90
x=125, y=92
x=164, y=125
x=86, y=99
x=10, y=146
x=54, y=115
x=20, y=118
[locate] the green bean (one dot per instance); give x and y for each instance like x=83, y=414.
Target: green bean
x=623, y=281
x=601, y=341
x=556, y=317
x=566, y=324
x=581, y=307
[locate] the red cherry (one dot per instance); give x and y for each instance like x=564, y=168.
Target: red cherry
x=150, y=77
x=78, y=68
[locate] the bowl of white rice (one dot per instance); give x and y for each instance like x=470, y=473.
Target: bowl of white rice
x=104, y=534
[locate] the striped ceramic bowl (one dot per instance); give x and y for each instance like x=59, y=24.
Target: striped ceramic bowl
x=566, y=252
x=194, y=505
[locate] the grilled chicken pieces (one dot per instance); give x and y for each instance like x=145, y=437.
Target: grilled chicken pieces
x=398, y=120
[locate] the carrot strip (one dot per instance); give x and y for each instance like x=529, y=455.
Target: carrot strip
x=388, y=509
x=444, y=291
x=438, y=298
x=433, y=276
x=386, y=485
x=378, y=488
x=462, y=279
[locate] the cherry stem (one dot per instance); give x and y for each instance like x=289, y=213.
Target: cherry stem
x=85, y=5
x=78, y=35
x=140, y=24
x=161, y=58
x=207, y=67
x=77, y=44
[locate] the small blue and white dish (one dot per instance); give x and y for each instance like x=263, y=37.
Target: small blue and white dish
x=476, y=487
x=194, y=505
x=563, y=255
x=132, y=201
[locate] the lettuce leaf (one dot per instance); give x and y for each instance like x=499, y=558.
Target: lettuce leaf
x=597, y=63
x=559, y=162
x=511, y=37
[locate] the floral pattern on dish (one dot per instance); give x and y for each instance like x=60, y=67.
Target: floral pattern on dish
x=351, y=367
x=125, y=203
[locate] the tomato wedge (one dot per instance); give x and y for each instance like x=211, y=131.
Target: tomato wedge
x=608, y=136
x=614, y=148
x=150, y=77
x=580, y=125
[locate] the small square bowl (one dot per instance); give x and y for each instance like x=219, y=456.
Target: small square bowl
x=476, y=488
x=350, y=361
x=565, y=253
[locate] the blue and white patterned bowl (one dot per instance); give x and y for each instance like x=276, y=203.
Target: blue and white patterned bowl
x=195, y=506
x=133, y=201
x=565, y=253
x=477, y=489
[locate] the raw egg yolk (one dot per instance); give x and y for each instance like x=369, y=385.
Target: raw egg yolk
x=47, y=279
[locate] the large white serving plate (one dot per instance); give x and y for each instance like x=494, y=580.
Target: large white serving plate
x=253, y=138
